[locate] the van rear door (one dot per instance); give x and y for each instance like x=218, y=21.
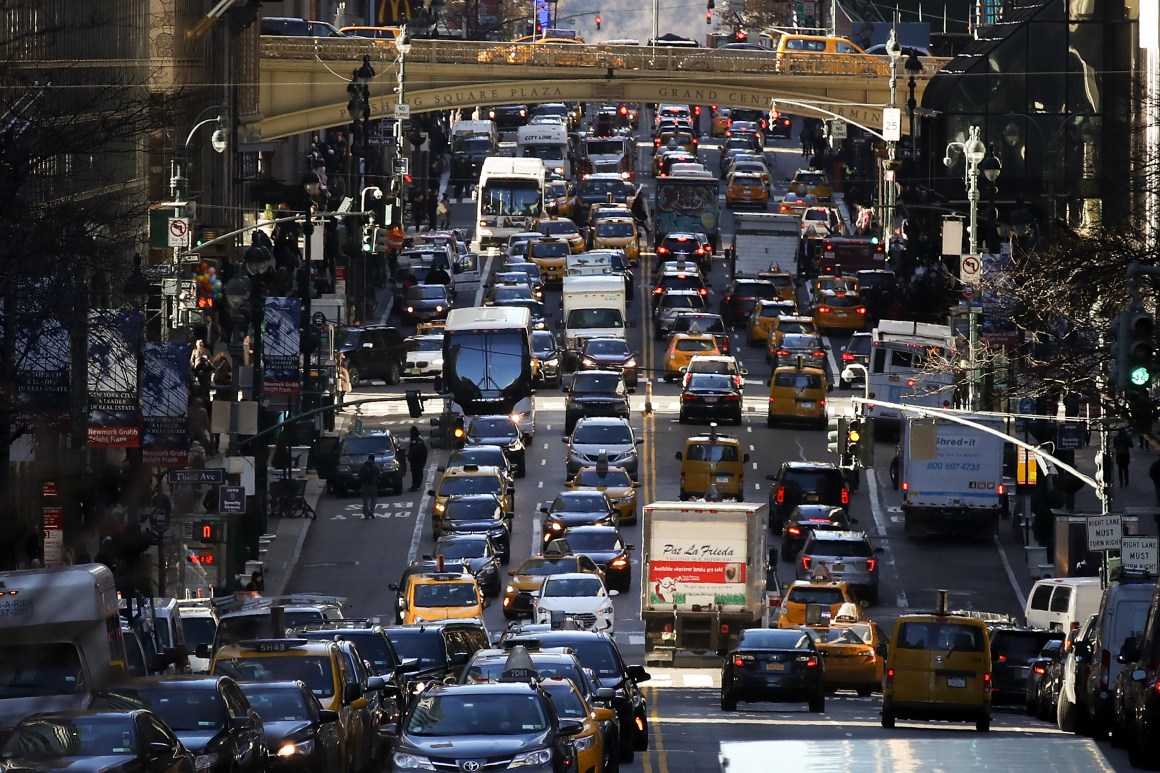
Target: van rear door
x=913, y=663
x=961, y=664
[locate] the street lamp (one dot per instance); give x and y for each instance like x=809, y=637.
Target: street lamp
x=179, y=165
x=399, y=170
x=913, y=68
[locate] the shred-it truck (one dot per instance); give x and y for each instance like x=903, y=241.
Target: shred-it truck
x=60, y=639
x=950, y=477
x=704, y=577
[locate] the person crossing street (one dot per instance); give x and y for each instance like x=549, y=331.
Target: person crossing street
x=416, y=457
x=368, y=477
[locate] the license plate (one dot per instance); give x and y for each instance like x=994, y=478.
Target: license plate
x=775, y=666
x=810, y=498
x=710, y=400
x=956, y=681
x=721, y=478
x=839, y=567
x=806, y=403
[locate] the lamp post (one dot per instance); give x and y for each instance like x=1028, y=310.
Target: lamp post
x=974, y=151
x=913, y=68
x=310, y=186
x=256, y=258
x=889, y=186
x=399, y=169
x=179, y=165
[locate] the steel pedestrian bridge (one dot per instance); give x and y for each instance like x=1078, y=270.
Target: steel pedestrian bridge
x=302, y=82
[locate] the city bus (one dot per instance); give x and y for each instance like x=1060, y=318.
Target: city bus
x=909, y=363
x=510, y=198
x=487, y=363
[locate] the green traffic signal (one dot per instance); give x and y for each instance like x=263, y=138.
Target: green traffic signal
x=1139, y=376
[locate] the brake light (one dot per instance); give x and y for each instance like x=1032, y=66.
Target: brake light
x=623, y=110
x=619, y=562
x=847, y=357
x=780, y=496
x=682, y=478
x=793, y=530
x=689, y=397
x=662, y=250
x=657, y=141
x=806, y=561
x=871, y=564
x=1003, y=491
x=658, y=290
x=986, y=684
x=823, y=309
x=703, y=291
x=889, y=677
x=845, y=495
x=811, y=662
x=905, y=486
x=731, y=398
x=740, y=660
x=783, y=352
x=1040, y=670
x=728, y=132
x=861, y=309
x=820, y=353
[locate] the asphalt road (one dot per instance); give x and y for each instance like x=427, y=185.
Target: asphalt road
x=358, y=559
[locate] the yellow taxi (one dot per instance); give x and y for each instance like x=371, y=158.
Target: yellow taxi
x=938, y=667
x=763, y=319
x=836, y=310
x=783, y=326
x=563, y=228
x=590, y=743
x=835, y=282
x=855, y=656
x=615, y=482
x=721, y=121
x=558, y=197
x=322, y=667
x=819, y=54
x=684, y=139
x=746, y=190
x=617, y=233
x=813, y=603
x=811, y=182
x=468, y=479
x=715, y=459
x=551, y=255
x=427, y=328
x=794, y=204
x=782, y=280
x=440, y=596
x=797, y=393
x=383, y=36
x=684, y=347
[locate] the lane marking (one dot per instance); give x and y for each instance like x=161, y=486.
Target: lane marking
x=421, y=516
x=1010, y=574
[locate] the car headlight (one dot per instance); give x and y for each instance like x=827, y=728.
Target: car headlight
x=588, y=361
x=344, y=468
x=552, y=363
x=289, y=749
x=555, y=526
x=390, y=466
x=404, y=761
x=410, y=309
x=510, y=589
x=630, y=362
x=440, y=507
x=438, y=308
x=528, y=759
x=205, y=761
x=607, y=609
x=585, y=743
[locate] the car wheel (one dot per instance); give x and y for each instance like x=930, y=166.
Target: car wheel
x=682, y=418
x=355, y=379
x=818, y=703
x=865, y=692
x=394, y=374
x=683, y=496
x=1065, y=714
x=728, y=701
x=784, y=553
x=738, y=419
x=770, y=421
x=522, y=470
x=983, y=724
x=887, y=717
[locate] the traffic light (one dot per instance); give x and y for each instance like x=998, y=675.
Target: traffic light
x=1135, y=349
x=206, y=531
x=368, y=238
x=866, y=445
x=458, y=429
x=599, y=21
x=853, y=452
x=414, y=403
x=708, y=17
x=835, y=435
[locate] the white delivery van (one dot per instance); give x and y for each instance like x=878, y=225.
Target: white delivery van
x=1063, y=603
x=549, y=143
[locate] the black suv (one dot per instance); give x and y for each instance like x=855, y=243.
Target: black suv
x=390, y=457
x=372, y=352
x=595, y=393
x=741, y=297
x=1012, y=650
x=806, y=519
x=805, y=483
x=434, y=650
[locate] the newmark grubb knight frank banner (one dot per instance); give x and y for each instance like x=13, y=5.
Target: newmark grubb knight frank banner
x=698, y=563
x=281, y=346
x=114, y=405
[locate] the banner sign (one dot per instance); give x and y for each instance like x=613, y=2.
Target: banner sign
x=114, y=405
x=165, y=405
x=43, y=369
x=281, y=346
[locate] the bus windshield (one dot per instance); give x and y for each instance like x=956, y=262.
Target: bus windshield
x=520, y=198
x=487, y=365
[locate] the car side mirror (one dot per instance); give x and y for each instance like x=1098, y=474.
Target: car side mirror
x=879, y=550
x=640, y=441
x=1139, y=675
x=158, y=749
x=638, y=674
x=745, y=458
x=630, y=547
x=565, y=388
x=458, y=659
x=636, y=484
x=430, y=492
x=486, y=602
x=351, y=693
x=247, y=722
x=326, y=716
x=679, y=456
x=393, y=586
x=564, y=440
x=882, y=650
x=375, y=683
x=722, y=652
x=771, y=477
x=543, y=509
x=830, y=387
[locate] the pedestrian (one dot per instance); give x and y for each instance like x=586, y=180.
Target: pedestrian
x=1154, y=474
x=258, y=580
x=806, y=135
x=433, y=210
x=1122, y=445
x=416, y=457
x=368, y=478
x=444, y=212
x=341, y=379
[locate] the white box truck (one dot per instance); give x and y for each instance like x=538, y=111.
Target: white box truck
x=909, y=363
x=951, y=477
x=703, y=581
x=764, y=239
x=60, y=639
x=549, y=143
x=594, y=307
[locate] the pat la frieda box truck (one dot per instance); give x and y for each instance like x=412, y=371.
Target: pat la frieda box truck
x=704, y=577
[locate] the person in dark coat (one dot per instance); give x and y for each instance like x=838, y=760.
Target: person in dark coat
x=416, y=457
x=368, y=478
x=432, y=204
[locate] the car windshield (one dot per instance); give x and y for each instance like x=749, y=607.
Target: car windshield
x=607, y=347
x=859, y=345
x=542, y=567
x=543, y=343
x=568, y=703
x=198, y=630
x=714, y=381
x=712, y=452
x=41, y=669
x=373, y=444
x=484, y=456
x=493, y=426
x=614, y=229
x=670, y=301
x=849, y=634
x=594, y=318
x=280, y=704
x=572, y=587
x=462, y=548
x=940, y=636
x=316, y=672
x=695, y=345
x=826, y=596
x=426, y=648
x=531, y=270
x=425, y=344
x=704, y=323
x=558, y=228
x=584, y=542
x=188, y=710
x=427, y=293
x=444, y=594
x=610, y=478
x=801, y=342
x=773, y=638
x=50, y=738
x=745, y=181
x=598, y=189
x=549, y=249
x=798, y=380
x=469, y=484
x=476, y=714
x=795, y=327
x=472, y=509
x=515, y=293
x=597, y=383
x=1019, y=646
x=610, y=434
x=580, y=502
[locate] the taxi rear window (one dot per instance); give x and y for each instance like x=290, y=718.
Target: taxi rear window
x=798, y=380
x=827, y=596
x=712, y=452
x=695, y=345
x=316, y=671
x=940, y=636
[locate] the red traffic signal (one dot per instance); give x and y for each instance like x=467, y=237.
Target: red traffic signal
x=708, y=17
x=599, y=21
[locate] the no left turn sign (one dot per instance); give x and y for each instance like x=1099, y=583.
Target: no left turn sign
x=970, y=269
x=178, y=231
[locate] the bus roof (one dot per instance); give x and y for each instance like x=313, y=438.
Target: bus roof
x=494, y=317
x=898, y=329
x=507, y=166
x=55, y=601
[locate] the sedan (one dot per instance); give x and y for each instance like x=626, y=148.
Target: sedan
x=424, y=303
x=477, y=553
x=606, y=548
x=300, y=734
x=774, y=665
x=610, y=354
x=576, y=508
x=424, y=356
x=500, y=430
x=710, y=396
x=134, y=741
x=855, y=655
x=801, y=349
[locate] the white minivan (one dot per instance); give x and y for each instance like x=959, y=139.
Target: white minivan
x=1062, y=603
